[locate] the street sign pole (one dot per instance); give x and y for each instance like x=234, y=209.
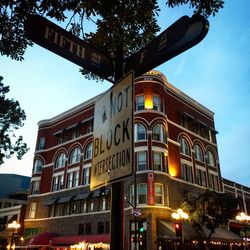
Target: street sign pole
x=117, y=191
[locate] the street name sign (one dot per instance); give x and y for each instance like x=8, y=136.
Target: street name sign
x=113, y=139
x=180, y=36
x=54, y=38
x=136, y=212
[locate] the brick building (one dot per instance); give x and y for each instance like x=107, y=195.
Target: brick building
x=13, y=202
x=242, y=193
x=175, y=153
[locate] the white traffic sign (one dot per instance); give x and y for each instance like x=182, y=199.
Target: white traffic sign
x=136, y=212
x=113, y=139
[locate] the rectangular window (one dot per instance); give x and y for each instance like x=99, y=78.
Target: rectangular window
x=91, y=206
x=88, y=228
x=159, y=194
x=84, y=206
x=86, y=176
x=103, y=204
x=100, y=228
x=55, y=183
x=141, y=160
x=88, y=126
x=67, y=208
x=81, y=229
x=61, y=182
x=142, y=193
x=36, y=187
x=61, y=138
x=75, y=178
x=41, y=143
x=201, y=177
x=107, y=226
x=74, y=208
x=214, y=182
x=50, y=211
x=186, y=172
x=156, y=102
x=70, y=180
x=75, y=132
x=157, y=158
x=140, y=102
x=32, y=211
x=58, y=183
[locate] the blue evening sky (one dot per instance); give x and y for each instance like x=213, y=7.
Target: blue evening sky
x=215, y=72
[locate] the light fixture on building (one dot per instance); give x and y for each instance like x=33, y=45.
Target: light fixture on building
x=13, y=226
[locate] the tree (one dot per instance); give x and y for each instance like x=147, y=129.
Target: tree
x=130, y=24
x=11, y=118
x=208, y=211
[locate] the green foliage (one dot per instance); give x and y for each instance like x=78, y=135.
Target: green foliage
x=11, y=118
x=203, y=7
x=209, y=210
x=127, y=23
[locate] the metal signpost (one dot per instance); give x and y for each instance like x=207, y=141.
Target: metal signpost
x=113, y=125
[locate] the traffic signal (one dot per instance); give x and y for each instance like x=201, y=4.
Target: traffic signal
x=178, y=229
x=134, y=239
x=140, y=227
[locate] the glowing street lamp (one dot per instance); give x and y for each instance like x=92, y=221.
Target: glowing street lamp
x=179, y=217
x=243, y=218
x=13, y=226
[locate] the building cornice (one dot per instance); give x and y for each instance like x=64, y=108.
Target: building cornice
x=69, y=112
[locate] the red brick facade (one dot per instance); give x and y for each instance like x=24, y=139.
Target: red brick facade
x=175, y=140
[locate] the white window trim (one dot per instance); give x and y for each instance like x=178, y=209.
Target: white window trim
x=160, y=184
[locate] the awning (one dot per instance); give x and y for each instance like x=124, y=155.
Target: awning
x=65, y=199
x=88, y=119
x=42, y=239
x=96, y=194
x=81, y=196
x=75, y=239
x=50, y=202
x=165, y=229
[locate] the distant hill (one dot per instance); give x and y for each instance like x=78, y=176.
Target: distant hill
x=11, y=183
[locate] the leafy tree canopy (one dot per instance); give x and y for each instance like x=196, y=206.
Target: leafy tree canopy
x=209, y=210
x=11, y=118
x=129, y=23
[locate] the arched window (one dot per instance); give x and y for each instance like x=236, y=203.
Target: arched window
x=211, y=159
x=198, y=153
x=184, y=147
x=75, y=156
x=140, y=132
x=88, y=152
x=37, y=166
x=159, y=133
x=60, y=161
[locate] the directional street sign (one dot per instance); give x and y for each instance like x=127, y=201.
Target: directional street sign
x=180, y=36
x=52, y=37
x=113, y=140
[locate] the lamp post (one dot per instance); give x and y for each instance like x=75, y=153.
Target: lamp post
x=243, y=218
x=13, y=226
x=179, y=217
